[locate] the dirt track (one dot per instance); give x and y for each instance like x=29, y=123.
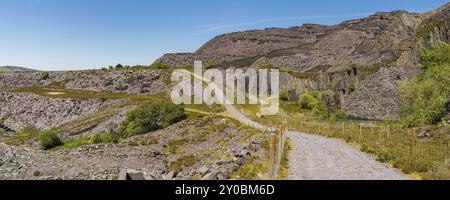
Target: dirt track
x=318, y=158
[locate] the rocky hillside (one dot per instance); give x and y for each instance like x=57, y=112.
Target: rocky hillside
x=15, y=69
x=344, y=58
x=124, y=81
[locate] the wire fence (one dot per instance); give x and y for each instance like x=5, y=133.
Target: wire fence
x=425, y=155
x=277, y=141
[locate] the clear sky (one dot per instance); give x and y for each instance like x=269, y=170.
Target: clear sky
x=84, y=34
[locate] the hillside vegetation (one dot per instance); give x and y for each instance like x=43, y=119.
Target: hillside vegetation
x=425, y=96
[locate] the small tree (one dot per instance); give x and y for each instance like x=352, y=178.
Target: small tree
x=284, y=96
x=151, y=116
x=339, y=115
x=48, y=139
x=425, y=96
x=119, y=66
x=308, y=100
x=320, y=110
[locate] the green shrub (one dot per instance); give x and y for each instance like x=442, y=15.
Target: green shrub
x=351, y=88
x=48, y=139
x=210, y=64
x=308, y=100
x=437, y=56
x=320, y=110
x=158, y=65
x=284, y=96
x=96, y=139
x=383, y=156
x=150, y=116
x=311, y=100
x=339, y=115
x=424, y=97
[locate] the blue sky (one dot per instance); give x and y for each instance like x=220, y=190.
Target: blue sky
x=85, y=34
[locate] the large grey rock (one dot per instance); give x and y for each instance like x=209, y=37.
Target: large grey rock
x=129, y=174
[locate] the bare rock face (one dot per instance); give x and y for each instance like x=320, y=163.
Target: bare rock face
x=43, y=112
x=366, y=41
x=242, y=45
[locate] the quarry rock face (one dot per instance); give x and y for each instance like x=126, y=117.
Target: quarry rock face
x=318, y=56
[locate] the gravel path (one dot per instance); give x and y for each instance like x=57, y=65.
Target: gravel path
x=318, y=158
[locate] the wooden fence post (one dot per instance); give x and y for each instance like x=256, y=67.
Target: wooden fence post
x=360, y=134
x=388, y=131
x=413, y=145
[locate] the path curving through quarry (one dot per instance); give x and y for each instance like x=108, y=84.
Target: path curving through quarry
x=318, y=158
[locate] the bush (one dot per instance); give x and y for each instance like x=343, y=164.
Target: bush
x=425, y=96
x=308, y=100
x=339, y=115
x=438, y=55
x=210, y=64
x=48, y=139
x=311, y=100
x=103, y=138
x=351, y=88
x=96, y=139
x=151, y=116
x=158, y=65
x=284, y=96
x=320, y=110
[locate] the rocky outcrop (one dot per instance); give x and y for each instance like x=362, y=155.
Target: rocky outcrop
x=319, y=56
x=366, y=41
x=242, y=45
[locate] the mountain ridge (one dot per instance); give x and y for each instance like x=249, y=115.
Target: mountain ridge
x=9, y=68
x=367, y=34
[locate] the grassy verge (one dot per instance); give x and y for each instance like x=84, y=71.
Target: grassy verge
x=284, y=167
x=399, y=147
x=425, y=157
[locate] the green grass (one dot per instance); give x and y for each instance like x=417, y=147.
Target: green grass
x=104, y=138
x=25, y=137
x=84, y=124
x=252, y=169
x=284, y=167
